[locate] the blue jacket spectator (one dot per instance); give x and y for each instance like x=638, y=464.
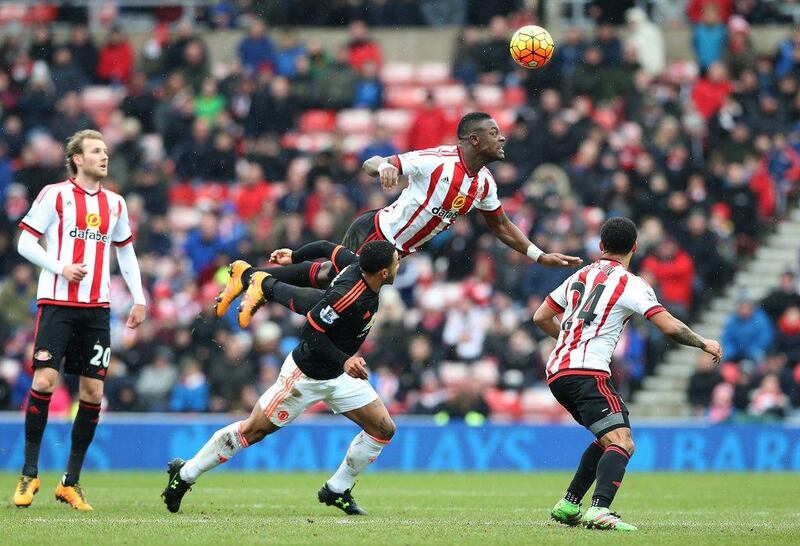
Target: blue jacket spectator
x=191, y=391
x=256, y=50
x=286, y=58
x=747, y=334
x=709, y=38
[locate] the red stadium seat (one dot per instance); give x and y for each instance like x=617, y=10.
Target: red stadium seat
x=355, y=121
x=395, y=121
x=488, y=96
x=430, y=74
x=397, y=73
x=450, y=95
x=404, y=96
x=317, y=121
x=515, y=96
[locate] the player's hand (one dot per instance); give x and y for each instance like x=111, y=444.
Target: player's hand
x=74, y=272
x=713, y=348
x=389, y=176
x=554, y=259
x=355, y=366
x=136, y=316
x=282, y=256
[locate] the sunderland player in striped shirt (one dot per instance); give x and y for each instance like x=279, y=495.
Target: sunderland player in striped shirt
x=323, y=367
x=79, y=220
x=595, y=303
x=444, y=184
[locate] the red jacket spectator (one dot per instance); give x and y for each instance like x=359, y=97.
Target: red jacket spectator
x=763, y=186
x=710, y=92
x=361, y=49
x=116, y=59
x=695, y=9
x=429, y=128
x=674, y=270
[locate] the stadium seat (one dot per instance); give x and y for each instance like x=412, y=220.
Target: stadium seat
x=450, y=95
x=515, y=96
x=404, y=96
x=397, y=73
x=317, y=121
x=430, y=74
x=394, y=120
x=100, y=97
x=504, y=117
x=353, y=144
x=311, y=142
x=355, y=121
x=488, y=96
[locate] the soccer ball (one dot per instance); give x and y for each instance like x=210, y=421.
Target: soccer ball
x=531, y=47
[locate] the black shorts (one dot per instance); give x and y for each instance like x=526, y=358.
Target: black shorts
x=363, y=230
x=79, y=335
x=593, y=402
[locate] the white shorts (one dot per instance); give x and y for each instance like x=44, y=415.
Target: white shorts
x=293, y=392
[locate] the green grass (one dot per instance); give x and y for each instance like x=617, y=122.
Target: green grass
x=462, y=509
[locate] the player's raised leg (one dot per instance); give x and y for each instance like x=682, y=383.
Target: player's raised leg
x=266, y=287
x=377, y=431
x=237, y=282
x=618, y=448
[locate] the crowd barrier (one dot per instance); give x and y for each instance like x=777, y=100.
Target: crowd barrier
x=147, y=442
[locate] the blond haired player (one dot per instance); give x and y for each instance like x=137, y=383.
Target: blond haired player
x=79, y=220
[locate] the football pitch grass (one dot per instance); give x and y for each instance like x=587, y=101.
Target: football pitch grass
x=461, y=509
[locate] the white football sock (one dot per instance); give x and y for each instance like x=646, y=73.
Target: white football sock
x=363, y=450
x=224, y=444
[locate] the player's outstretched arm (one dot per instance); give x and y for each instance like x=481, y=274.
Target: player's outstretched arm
x=129, y=267
x=679, y=332
x=381, y=167
x=545, y=318
x=505, y=230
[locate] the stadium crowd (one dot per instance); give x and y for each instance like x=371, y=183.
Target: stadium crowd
x=236, y=160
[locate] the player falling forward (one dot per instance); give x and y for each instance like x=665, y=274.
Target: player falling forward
x=322, y=367
x=596, y=302
x=79, y=220
x=444, y=183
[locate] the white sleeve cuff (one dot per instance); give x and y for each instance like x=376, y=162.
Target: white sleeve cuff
x=534, y=252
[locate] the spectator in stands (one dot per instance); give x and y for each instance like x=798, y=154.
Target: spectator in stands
x=65, y=74
x=571, y=52
x=115, y=61
x=204, y=245
x=256, y=50
x=607, y=41
x=191, y=390
x=709, y=37
x=369, y=90
x=768, y=402
x=695, y=9
x=191, y=157
x=41, y=48
x=17, y=294
x=647, y=41
x=194, y=64
x=740, y=54
x=709, y=93
x=70, y=118
x=286, y=57
x=84, y=52
x=747, y=333
x=674, y=270
x=139, y=102
x=781, y=298
x=444, y=13
x=362, y=49
x=466, y=62
x=787, y=339
x=429, y=128
x=701, y=385
x=156, y=381
x=493, y=58
x=336, y=83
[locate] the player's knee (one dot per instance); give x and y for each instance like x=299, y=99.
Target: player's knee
x=325, y=275
x=44, y=379
x=92, y=393
x=388, y=428
x=255, y=430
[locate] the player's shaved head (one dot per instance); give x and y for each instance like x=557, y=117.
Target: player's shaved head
x=470, y=123
x=618, y=235
x=376, y=255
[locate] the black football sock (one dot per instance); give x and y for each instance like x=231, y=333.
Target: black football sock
x=297, y=299
x=302, y=274
x=584, y=476
x=610, y=471
x=82, y=434
x=35, y=422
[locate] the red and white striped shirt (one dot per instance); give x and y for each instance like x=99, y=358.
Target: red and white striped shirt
x=596, y=302
x=440, y=189
x=78, y=227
